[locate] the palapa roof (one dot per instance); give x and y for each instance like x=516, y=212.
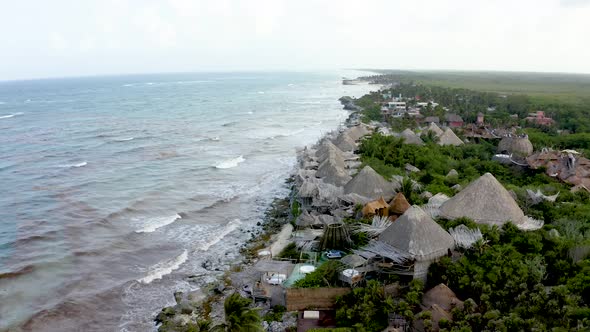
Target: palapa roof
x=345, y=142
x=369, y=184
x=332, y=170
x=305, y=219
x=520, y=146
x=434, y=128
x=373, y=206
x=411, y=138
x=357, y=132
x=437, y=314
x=485, y=201
x=399, y=204
x=442, y=296
x=417, y=234
x=449, y=138
x=432, y=119
x=451, y=117
x=309, y=188
x=353, y=260
x=328, y=149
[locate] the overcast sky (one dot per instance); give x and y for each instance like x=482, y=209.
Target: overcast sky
x=55, y=38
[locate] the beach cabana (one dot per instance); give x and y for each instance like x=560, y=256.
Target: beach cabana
x=449, y=138
x=328, y=149
x=519, y=146
x=368, y=183
x=398, y=206
x=411, y=138
x=345, y=142
x=377, y=207
x=332, y=170
x=485, y=201
x=434, y=128
x=420, y=238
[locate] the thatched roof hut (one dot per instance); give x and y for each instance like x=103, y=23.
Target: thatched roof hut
x=449, y=138
x=520, y=146
x=411, y=138
x=485, y=201
x=332, y=170
x=328, y=149
x=357, y=132
x=345, y=142
x=305, y=219
x=353, y=260
x=417, y=234
x=437, y=314
x=399, y=204
x=376, y=207
x=369, y=184
x=442, y=296
x=434, y=128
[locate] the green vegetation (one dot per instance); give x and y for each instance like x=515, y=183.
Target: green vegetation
x=325, y=275
x=239, y=316
x=368, y=308
x=276, y=314
x=543, y=87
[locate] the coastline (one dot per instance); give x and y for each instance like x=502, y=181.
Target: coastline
x=207, y=303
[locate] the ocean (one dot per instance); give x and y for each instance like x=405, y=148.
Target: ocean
x=116, y=190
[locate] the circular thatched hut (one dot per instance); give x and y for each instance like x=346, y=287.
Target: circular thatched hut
x=520, y=146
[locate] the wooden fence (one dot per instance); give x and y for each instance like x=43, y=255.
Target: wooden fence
x=313, y=298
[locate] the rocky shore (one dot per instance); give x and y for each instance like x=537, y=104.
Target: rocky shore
x=193, y=309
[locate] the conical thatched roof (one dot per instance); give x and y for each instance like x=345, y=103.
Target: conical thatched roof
x=434, y=128
x=357, y=132
x=309, y=188
x=371, y=208
x=520, y=146
x=305, y=219
x=345, y=142
x=417, y=234
x=485, y=201
x=369, y=184
x=332, y=170
x=411, y=138
x=442, y=296
x=327, y=149
x=399, y=204
x=449, y=138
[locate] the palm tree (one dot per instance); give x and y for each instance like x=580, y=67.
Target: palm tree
x=239, y=317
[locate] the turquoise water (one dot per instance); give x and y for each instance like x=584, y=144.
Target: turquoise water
x=115, y=190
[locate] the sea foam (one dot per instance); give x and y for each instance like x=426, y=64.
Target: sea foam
x=230, y=227
x=11, y=115
x=164, y=268
x=159, y=222
x=78, y=165
x=230, y=163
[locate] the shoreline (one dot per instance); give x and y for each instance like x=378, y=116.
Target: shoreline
x=208, y=305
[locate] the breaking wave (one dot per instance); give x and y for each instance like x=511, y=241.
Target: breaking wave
x=11, y=115
x=124, y=139
x=230, y=227
x=159, y=222
x=230, y=163
x=82, y=164
x=164, y=268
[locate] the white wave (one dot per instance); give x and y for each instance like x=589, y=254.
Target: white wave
x=164, y=268
x=216, y=138
x=260, y=92
x=124, y=139
x=11, y=115
x=230, y=227
x=150, y=83
x=230, y=163
x=82, y=164
x=250, y=112
x=158, y=222
x=287, y=134
x=2, y=102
